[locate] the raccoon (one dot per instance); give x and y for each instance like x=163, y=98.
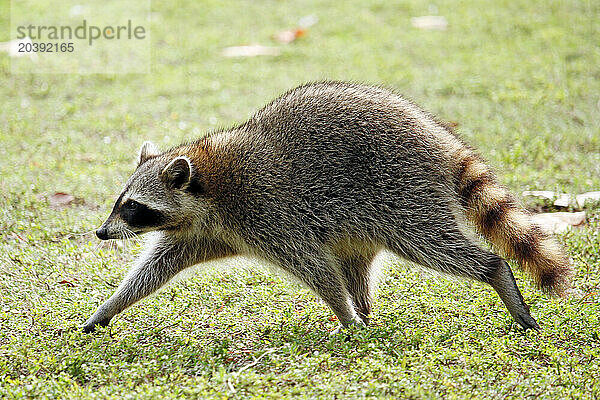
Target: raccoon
x=318, y=182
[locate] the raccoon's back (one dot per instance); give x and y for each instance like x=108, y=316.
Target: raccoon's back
x=344, y=134
x=340, y=111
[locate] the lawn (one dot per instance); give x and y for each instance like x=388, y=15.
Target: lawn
x=520, y=80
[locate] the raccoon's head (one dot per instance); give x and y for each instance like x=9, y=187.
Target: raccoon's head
x=162, y=194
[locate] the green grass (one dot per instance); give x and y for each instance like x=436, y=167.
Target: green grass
x=520, y=78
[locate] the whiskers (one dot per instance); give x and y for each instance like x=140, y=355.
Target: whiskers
x=128, y=236
x=122, y=246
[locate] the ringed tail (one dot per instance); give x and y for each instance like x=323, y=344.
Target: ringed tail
x=497, y=215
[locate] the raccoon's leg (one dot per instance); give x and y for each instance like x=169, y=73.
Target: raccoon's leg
x=357, y=270
x=502, y=280
x=326, y=282
x=451, y=252
x=161, y=261
x=319, y=272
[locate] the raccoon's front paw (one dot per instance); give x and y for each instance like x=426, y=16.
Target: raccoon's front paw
x=90, y=325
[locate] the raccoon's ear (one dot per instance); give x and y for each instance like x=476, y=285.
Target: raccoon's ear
x=177, y=173
x=148, y=150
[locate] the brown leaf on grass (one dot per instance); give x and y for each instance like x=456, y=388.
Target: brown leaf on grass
x=289, y=36
x=62, y=200
x=250, y=51
x=430, y=22
x=559, y=221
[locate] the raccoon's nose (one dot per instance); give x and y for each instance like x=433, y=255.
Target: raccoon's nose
x=102, y=233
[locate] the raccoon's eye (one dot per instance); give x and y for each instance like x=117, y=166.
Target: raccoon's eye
x=131, y=205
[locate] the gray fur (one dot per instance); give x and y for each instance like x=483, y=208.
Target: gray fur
x=317, y=182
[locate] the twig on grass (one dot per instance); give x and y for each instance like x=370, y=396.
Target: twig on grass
x=256, y=361
x=237, y=373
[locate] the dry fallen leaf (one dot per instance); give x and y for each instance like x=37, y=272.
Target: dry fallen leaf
x=290, y=35
x=559, y=221
x=431, y=22
x=60, y=199
x=250, y=51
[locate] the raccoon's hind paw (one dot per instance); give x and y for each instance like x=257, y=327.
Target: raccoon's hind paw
x=527, y=322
